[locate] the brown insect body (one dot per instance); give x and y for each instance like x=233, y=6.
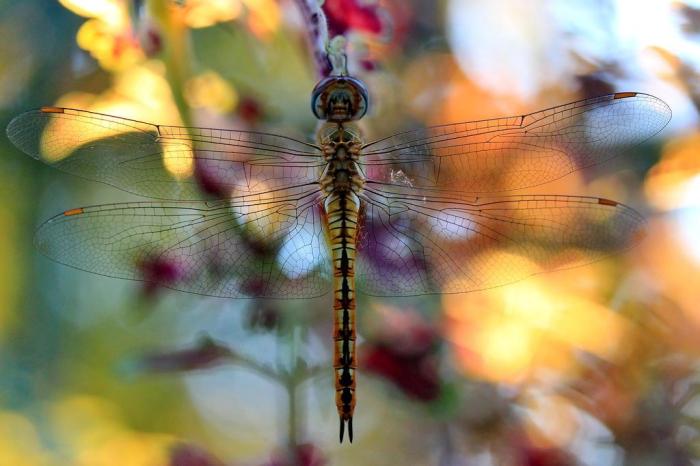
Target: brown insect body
x=341, y=183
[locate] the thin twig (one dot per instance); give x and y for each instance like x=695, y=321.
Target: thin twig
x=176, y=53
x=317, y=34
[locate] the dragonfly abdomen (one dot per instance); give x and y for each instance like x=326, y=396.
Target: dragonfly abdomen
x=342, y=210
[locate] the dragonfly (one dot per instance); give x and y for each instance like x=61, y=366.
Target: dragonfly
x=244, y=214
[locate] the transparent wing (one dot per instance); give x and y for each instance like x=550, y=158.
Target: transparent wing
x=447, y=243
x=164, y=162
x=517, y=152
x=243, y=247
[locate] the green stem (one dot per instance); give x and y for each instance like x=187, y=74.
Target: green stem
x=253, y=365
x=292, y=420
x=296, y=374
x=176, y=52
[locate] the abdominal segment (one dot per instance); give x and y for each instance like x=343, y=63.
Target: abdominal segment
x=342, y=211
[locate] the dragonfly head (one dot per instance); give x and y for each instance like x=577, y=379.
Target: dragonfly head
x=339, y=99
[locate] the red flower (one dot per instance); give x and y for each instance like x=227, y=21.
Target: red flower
x=206, y=173
x=304, y=455
x=405, y=354
x=189, y=455
x=415, y=374
x=161, y=271
x=250, y=110
x=263, y=317
x=343, y=15
x=532, y=456
x=151, y=41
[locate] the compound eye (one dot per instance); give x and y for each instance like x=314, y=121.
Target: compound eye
x=339, y=99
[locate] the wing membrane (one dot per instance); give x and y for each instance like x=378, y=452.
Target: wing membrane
x=164, y=162
x=517, y=152
x=445, y=243
x=264, y=238
x=244, y=247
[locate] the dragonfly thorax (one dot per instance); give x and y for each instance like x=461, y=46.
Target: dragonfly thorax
x=341, y=150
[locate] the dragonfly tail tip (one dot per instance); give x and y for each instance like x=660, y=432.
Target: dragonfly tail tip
x=342, y=429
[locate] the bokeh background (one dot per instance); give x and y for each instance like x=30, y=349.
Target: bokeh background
x=593, y=366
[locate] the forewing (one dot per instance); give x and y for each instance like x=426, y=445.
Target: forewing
x=445, y=243
x=163, y=162
x=250, y=246
x=517, y=152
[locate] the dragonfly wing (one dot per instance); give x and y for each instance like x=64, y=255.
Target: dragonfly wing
x=243, y=247
x=164, y=162
x=517, y=152
x=448, y=243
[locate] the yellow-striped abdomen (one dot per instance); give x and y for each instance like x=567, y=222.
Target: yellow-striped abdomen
x=342, y=209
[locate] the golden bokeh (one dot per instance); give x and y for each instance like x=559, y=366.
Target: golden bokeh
x=264, y=17
x=112, y=11
x=205, y=13
x=509, y=333
x=107, y=35
x=140, y=93
x=210, y=90
x=114, y=49
x=92, y=433
x=670, y=269
x=667, y=182
x=20, y=444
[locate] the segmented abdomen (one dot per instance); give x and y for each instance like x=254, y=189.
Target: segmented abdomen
x=342, y=210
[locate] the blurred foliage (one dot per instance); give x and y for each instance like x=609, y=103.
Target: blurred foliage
x=594, y=366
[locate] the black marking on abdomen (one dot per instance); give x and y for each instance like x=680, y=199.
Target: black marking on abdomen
x=345, y=383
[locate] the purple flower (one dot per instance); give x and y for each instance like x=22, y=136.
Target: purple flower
x=189, y=455
x=250, y=110
x=161, y=271
x=263, y=317
x=529, y=455
x=206, y=174
x=303, y=455
x=405, y=354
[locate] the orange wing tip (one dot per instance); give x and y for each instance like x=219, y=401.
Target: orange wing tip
x=51, y=110
x=70, y=212
x=608, y=202
x=624, y=95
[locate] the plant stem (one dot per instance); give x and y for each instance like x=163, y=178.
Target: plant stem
x=317, y=34
x=176, y=51
x=296, y=375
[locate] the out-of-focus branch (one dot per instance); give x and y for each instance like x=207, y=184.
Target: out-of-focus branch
x=208, y=353
x=176, y=51
x=317, y=34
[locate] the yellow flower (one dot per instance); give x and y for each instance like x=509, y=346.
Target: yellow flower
x=205, y=13
x=107, y=35
x=209, y=90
